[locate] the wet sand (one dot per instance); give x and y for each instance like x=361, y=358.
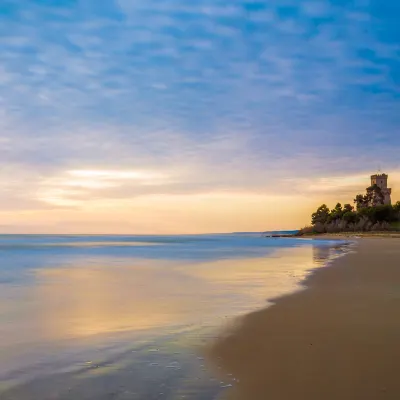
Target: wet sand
x=93, y=318
x=338, y=339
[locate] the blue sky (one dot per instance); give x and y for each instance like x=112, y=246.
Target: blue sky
x=215, y=96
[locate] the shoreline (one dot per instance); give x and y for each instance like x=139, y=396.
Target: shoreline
x=355, y=235
x=340, y=235
x=336, y=339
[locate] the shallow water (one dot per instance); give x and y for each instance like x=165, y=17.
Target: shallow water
x=117, y=317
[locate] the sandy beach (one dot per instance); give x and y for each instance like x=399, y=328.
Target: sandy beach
x=115, y=318
x=337, y=339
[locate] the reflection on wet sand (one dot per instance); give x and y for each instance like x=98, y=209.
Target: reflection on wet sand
x=167, y=368
x=322, y=254
x=85, y=300
x=88, y=302
x=335, y=340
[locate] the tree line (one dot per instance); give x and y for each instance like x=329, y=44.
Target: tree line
x=369, y=214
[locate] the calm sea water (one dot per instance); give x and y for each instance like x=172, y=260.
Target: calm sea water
x=125, y=317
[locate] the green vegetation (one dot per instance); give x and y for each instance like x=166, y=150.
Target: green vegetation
x=395, y=226
x=370, y=214
x=374, y=197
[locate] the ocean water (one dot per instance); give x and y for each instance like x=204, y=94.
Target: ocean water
x=127, y=317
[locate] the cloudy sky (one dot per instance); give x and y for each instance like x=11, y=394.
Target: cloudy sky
x=167, y=116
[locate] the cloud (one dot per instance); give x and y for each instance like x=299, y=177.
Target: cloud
x=219, y=96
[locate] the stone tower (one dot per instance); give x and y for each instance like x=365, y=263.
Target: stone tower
x=381, y=181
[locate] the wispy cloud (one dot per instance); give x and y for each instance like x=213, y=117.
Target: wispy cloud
x=220, y=95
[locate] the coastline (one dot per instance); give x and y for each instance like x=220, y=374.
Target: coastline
x=337, y=339
x=340, y=235
x=80, y=350
x=354, y=235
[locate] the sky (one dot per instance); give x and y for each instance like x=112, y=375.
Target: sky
x=176, y=116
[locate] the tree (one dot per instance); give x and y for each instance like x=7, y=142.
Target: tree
x=396, y=210
x=384, y=213
x=361, y=201
x=321, y=215
x=350, y=217
x=371, y=214
x=377, y=197
x=374, y=196
x=347, y=208
x=336, y=213
x=379, y=213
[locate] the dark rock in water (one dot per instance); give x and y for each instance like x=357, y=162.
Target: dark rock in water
x=281, y=236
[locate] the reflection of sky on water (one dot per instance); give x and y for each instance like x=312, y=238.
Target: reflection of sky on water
x=166, y=368
x=112, y=289
x=22, y=253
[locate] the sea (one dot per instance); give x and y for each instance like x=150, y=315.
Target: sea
x=95, y=317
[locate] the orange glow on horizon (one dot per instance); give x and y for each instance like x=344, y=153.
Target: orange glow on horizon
x=73, y=209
